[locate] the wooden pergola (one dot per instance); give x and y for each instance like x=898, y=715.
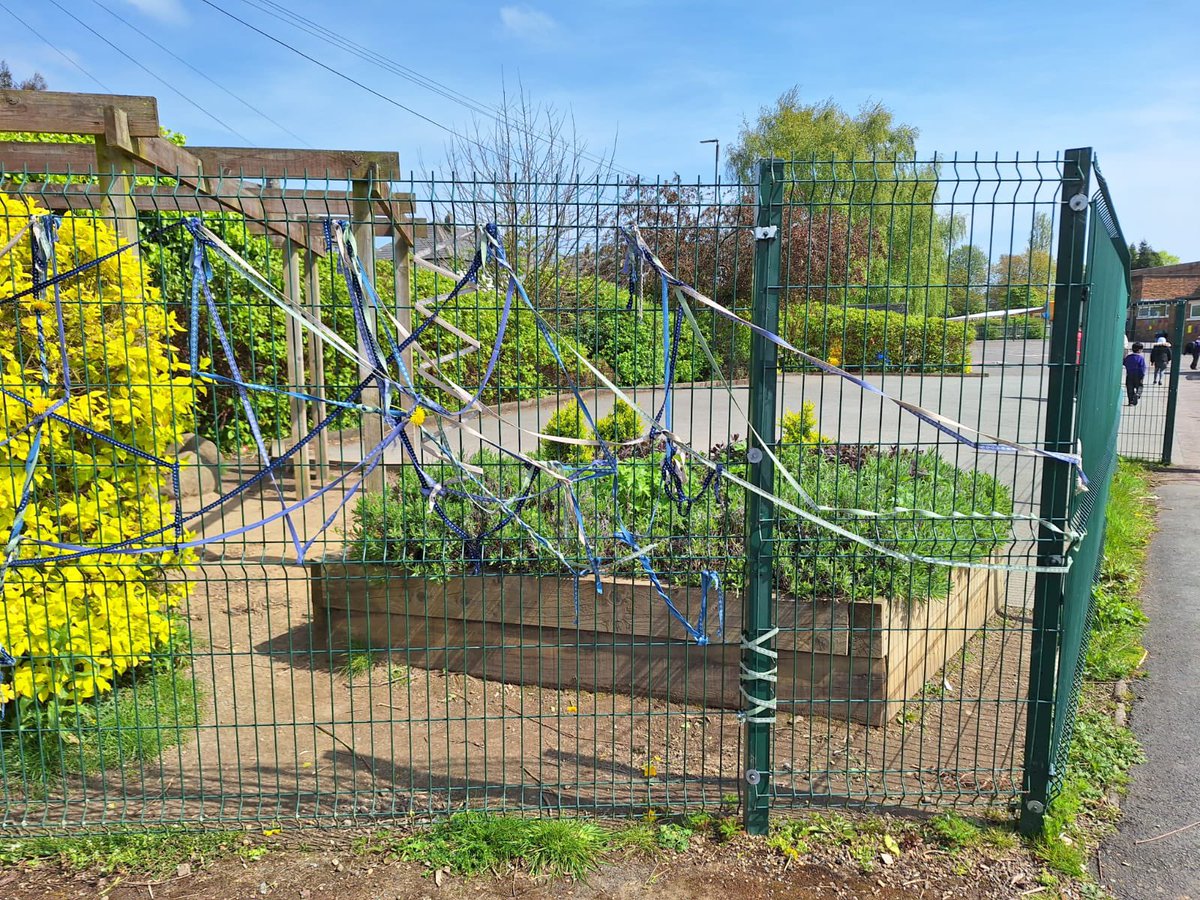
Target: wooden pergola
x=252, y=182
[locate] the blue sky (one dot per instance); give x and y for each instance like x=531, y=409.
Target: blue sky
x=660, y=76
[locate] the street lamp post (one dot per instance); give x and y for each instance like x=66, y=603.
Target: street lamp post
x=716, y=158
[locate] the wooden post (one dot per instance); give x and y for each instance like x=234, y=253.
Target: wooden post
x=114, y=161
x=402, y=283
x=316, y=349
x=362, y=219
x=295, y=372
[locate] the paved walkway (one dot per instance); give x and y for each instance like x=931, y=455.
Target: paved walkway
x=1165, y=793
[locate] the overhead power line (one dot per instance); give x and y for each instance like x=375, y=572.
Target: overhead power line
x=246, y=103
x=339, y=74
x=45, y=40
x=285, y=16
x=152, y=73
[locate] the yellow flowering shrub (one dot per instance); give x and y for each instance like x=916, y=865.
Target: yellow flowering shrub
x=76, y=626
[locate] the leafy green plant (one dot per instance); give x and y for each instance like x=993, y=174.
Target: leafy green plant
x=877, y=339
x=1013, y=328
x=569, y=422
x=801, y=427
x=623, y=424
x=398, y=527
x=675, y=837
x=146, y=712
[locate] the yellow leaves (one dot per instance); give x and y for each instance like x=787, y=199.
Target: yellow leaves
x=41, y=405
x=75, y=627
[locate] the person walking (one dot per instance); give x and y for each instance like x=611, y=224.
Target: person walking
x=1135, y=373
x=1193, y=350
x=1160, y=358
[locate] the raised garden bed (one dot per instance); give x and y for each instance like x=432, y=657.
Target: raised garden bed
x=848, y=660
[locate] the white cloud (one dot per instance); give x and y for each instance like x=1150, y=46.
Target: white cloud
x=163, y=10
x=527, y=23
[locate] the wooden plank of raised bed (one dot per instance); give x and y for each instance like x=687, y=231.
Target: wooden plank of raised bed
x=627, y=606
x=563, y=658
x=923, y=645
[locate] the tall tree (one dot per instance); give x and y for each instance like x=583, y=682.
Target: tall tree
x=968, y=272
x=821, y=131
x=529, y=170
x=1143, y=256
x=860, y=169
x=1023, y=280
x=34, y=82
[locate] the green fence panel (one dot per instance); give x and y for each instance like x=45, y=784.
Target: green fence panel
x=1100, y=398
x=434, y=639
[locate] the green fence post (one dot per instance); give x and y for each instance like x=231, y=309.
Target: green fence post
x=758, y=613
x=1173, y=390
x=1058, y=480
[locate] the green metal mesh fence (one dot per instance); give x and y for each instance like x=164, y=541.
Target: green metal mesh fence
x=402, y=668
x=1100, y=418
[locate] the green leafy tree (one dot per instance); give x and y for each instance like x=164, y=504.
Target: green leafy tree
x=863, y=169
x=822, y=131
x=1023, y=280
x=1143, y=256
x=968, y=273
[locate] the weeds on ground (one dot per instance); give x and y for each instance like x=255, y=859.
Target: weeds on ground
x=357, y=661
x=469, y=843
x=153, y=854
x=956, y=833
x=867, y=841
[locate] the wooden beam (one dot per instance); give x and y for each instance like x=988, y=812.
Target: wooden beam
x=170, y=159
x=67, y=113
x=53, y=159
x=267, y=162
x=115, y=164
x=371, y=428
x=146, y=198
x=316, y=349
x=295, y=371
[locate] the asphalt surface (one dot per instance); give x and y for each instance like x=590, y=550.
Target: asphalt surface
x=1165, y=791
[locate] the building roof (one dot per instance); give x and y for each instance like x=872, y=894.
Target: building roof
x=1181, y=270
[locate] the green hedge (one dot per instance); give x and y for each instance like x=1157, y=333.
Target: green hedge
x=876, y=339
x=1015, y=328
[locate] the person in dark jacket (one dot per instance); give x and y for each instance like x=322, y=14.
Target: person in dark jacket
x=1193, y=350
x=1160, y=358
x=1135, y=374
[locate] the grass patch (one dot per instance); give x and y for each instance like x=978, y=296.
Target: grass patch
x=142, y=716
x=1101, y=753
x=1115, y=649
x=956, y=833
x=358, y=662
x=153, y=854
x=470, y=843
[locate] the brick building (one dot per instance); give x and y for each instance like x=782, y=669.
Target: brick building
x=1153, y=292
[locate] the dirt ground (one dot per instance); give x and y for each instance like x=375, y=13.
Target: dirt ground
x=742, y=868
